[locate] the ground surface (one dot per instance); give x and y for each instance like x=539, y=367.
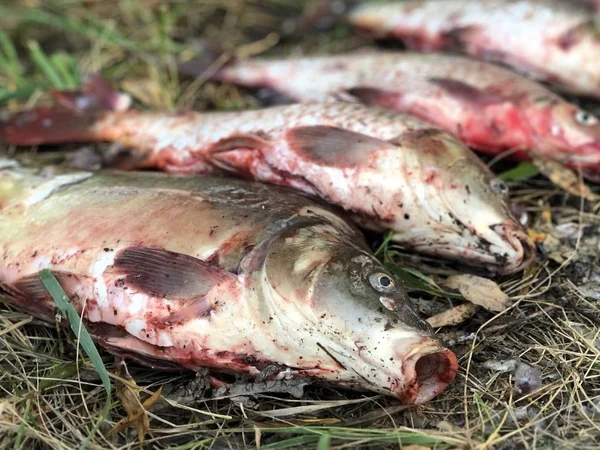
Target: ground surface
x=47, y=400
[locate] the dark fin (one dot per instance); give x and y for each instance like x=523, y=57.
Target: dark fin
x=458, y=38
x=373, y=96
x=162, y=273
x=334, y=146
x=466, y=92
x=47, y=125
x=71, y=121
x=34, y=289
x=30, y=295
x=234, y=153
x=240, y=142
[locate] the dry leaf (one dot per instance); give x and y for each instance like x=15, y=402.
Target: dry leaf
x=480, y=291
x=415, y=447
x=563, y=177
x=453, y=316
x=137, y=416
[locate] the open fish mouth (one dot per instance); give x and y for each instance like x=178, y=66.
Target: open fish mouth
x=428, y=369
x=521, y=243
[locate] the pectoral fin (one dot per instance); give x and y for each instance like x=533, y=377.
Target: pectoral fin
x=334, y=146
x=162, y=273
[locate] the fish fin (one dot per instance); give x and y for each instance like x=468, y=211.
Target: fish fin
x=240, y=142
x=163, y=273
x=31, y=296
x=235, y=153
x=334, y=146
x=48, y=125
x=71, y=121
x=466, y=92
x=460, y=37
x=374, y=96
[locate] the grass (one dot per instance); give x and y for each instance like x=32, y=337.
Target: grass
x=48, y=400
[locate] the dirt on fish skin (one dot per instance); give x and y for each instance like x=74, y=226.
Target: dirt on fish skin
x=562, y=44
x=388, y=170
x=296, y=287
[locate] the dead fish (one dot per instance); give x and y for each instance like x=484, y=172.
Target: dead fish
x=551, y=40
x=388, y=170
x=489, y=108
x=211, y=272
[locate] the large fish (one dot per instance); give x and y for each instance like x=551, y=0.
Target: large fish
x=235, y=276
x=488, y=107
x=388, y=170
x=554, y=40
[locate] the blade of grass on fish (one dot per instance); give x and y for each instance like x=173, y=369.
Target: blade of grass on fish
x=387, y=238
x=523, y=171
x=68, y=310
x=45, y=65
x=85, y=340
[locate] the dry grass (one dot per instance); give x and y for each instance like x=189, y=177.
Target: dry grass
x=50, y=397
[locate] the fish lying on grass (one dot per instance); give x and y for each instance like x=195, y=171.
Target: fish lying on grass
x=388, y=170
x=488, y=107
x=554, y=40
x=213, y=272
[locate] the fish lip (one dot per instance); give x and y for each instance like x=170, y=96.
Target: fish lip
x=428, y=370
x=519, y=240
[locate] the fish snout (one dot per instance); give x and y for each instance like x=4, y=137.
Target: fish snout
x=428, y=368
x=522, y=245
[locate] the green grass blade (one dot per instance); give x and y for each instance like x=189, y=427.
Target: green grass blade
x=521, y=172
x=291, y=442
x=45, y=65
x=68, y=310
x=324, y=442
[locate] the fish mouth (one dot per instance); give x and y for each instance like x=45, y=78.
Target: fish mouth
x=428, y=369
x=521, y=243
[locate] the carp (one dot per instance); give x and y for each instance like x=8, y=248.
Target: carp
x=210, y=272
x=387, y=170
x=487, y=107
x=555, y=41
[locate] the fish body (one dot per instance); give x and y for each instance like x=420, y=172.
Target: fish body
x=387, y=170
x=489, y=108
x=212, y=272
x=554, y=41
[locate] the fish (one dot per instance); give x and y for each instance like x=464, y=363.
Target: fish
x=552, y=40
x=211, y=272
x=488, y=107
x=388, y=171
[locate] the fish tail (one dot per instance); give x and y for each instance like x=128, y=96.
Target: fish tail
x=74, y=119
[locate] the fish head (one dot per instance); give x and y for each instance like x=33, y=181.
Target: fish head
x=451, y=194
x=565, y=132
x=351, y=317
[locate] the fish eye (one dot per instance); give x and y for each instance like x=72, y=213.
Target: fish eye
x=381, y=282
x=585, y=118
x=499, y=186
